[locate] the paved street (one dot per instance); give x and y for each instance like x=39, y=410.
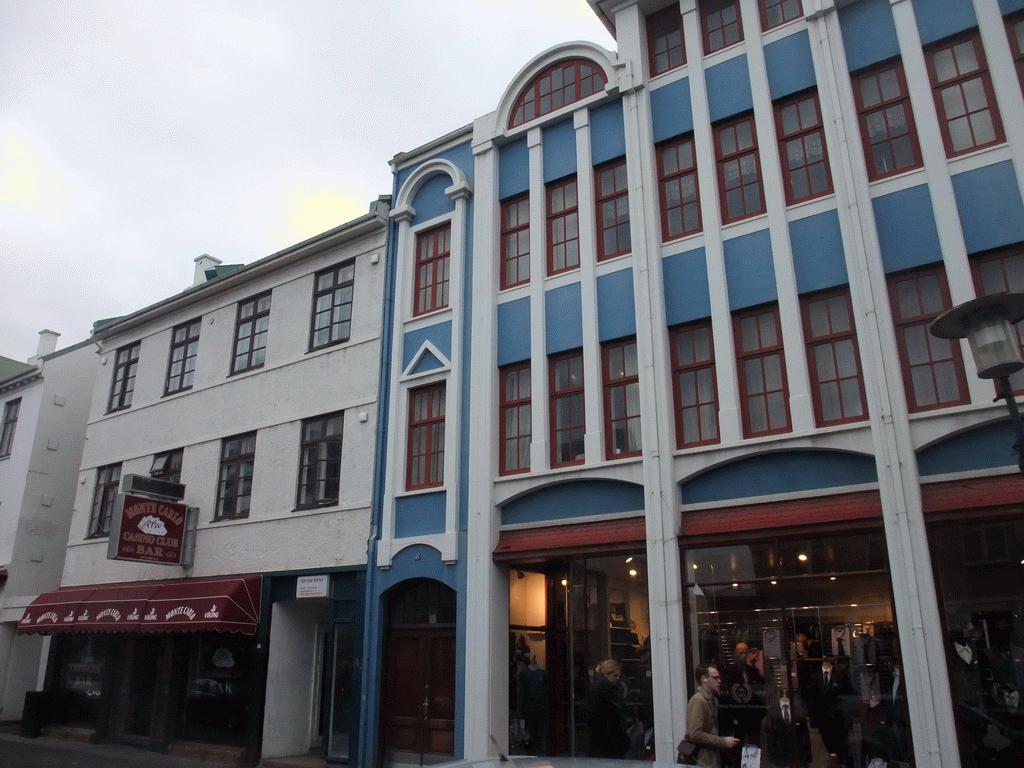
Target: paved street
x=19, y=752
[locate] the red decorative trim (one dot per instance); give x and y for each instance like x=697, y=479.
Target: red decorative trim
x=563, y=540
x=862, y=505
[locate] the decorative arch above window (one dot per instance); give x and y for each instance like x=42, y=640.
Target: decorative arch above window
x=562, y=83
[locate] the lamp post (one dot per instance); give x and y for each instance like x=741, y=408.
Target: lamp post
x=987, y=324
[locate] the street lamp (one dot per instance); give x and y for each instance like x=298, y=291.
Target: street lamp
x=987, y=324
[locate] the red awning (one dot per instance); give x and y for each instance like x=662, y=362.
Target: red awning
x=227, y=604
x=606, y=536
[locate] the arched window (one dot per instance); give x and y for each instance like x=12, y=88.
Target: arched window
x=562, y=83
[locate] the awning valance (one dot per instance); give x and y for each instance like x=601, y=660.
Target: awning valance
x=596, y=538
x=225, y=604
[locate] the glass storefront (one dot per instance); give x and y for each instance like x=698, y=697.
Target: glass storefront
x=565, y=618
x=804, y=635
x=980, y=569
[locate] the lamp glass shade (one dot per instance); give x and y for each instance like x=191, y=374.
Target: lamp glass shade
x=994, y=345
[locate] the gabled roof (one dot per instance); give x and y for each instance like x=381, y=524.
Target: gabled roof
x=9, y=367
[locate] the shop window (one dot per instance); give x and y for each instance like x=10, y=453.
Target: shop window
x=837, y=384
x=694, y=385
x=721, y=23
x=1015, y=30
x=332, y=305
x=563, y=226
x=568, y=418
x=515, y=241
x=1002, y=271
x=167, y=466
x=11, y=408
x=122, y=386
x=802, y=148
x=515, y=417
x=80, y=670
x=775, y=13
x=778, y=616
x=251, y=328
x=217, y=694
x=621, y=399
x=764, y=393
x=677, y=183
x=320, y=461
x=665, y=47
x=561, y=84
x=104, y=496
x=976, y=565
x=425, y=461
x=612, y=209
x=234, y=486
x=181, y=366
x=887, y=125
x=433, y=264
x=964, y=98
x=739, y=169
x=933, y=369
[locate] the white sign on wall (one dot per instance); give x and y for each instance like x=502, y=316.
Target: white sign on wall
x=312, y=586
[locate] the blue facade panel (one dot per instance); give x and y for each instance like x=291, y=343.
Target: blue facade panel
x=513, y=331
x=687, y=295
x=569, y=500
x=790, y=65
x=937, y=19
x=513, y=169
x=607, y=133
x=818, y=255
x=779, y=473
x=420, y=515
x=671, y=113
x=1009, y=6
x=439, y=335
x=616, y=309
x=729, y=89
x=991, y=210
x=563, y=318
x=559, y=151
x=430, y=200
x=987, y=447
x=749, y=270
x=907, y=232
x=869, y=33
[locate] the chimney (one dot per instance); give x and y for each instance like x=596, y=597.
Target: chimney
x=47, y=345
x=203, y=263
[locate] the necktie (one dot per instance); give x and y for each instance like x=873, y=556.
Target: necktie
x=842, y=649
x=828, y=678
x=785, y=713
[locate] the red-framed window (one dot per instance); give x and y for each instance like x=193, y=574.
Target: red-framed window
x=1002, y=271
x=425, y=462
x=833, y=358
x=1015, y=31
x=515, y=241
x=887, y=127
x=721, y=23
x=802, y=148
x=739, y=169
x=516, y=417
x=567, y=413
x=677, y=185
x=694, y=384
x=775, y=13
x=966, y=103
x=621, y=399
x=665, y=47
x=564, y=82
x=611, y=191
x=433, y=264
x=563, y=225
x=764, y=391
x=122, y=385
x=933, y=369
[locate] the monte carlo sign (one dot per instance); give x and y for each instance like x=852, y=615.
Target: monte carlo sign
x=150, y=530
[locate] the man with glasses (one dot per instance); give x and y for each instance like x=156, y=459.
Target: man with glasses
x=702, y=719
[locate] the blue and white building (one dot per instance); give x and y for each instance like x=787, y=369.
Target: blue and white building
x=660, y=382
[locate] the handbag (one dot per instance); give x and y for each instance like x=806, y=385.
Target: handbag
x=685, y=752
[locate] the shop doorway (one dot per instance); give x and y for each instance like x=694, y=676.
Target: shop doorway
x=146, y=696
x=419, y=675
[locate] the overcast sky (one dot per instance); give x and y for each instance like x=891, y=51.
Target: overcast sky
x=136, y=135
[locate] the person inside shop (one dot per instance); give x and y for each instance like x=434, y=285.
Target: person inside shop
x=606, y=712
x=789, y=741
x=743, y=702
x=702, y=720
x=829, y=695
